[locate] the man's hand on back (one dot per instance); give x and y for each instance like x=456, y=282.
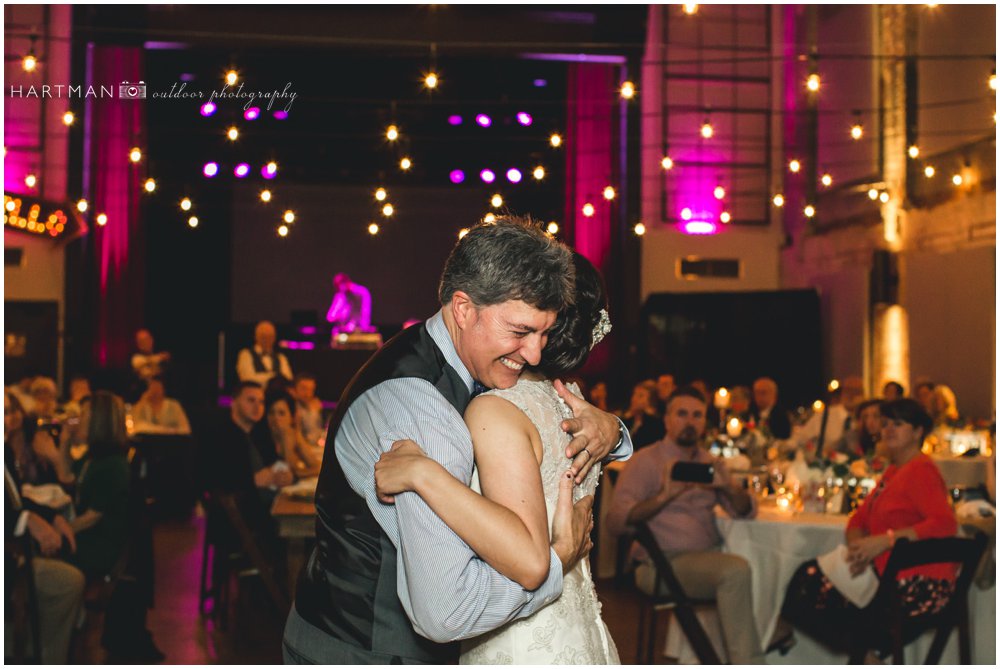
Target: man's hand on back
x=595, y=433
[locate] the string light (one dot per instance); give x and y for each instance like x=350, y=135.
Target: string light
x=490, y=217
x=186, y=204
x=149, y=185
x=553, y=228
x=639, y=229
x=667, y=163
x=538, y=173
x=707, y=130
x=725, y=217
x=496, y=201
x=686, y=213
x=778, y=200
x=913, y=151
x=388, y=210
x=883, y=197
x=993, y=80
x=463, y=232
x=794, y=166
x=282, y=230
x=957, y=179
x=555, y=139
x=68, y=118
x=233, y=133
x=373, y=229
x=135, y=155
x=872, y=194
x=627, y=90
x=29, y=62
x=102, y=219
x=809, y=211
x=81, y=206
x=826, y=180
x=193, y=222
x=690, y=8
x=30, y=180
x=719, y=192
x=380, y=194
x=392, y=133
x=269, y=170
x=232, y=77
x=265, y=195
x=929, y=171
x=609, y=193
x=289, y=216
x=812, y=83
x=588, y=210
x=857, y=131
x=431, y=80
x=405, y=164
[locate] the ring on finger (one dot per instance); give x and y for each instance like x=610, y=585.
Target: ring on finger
x=587, y=451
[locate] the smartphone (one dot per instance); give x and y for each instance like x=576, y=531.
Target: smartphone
x=693, y=472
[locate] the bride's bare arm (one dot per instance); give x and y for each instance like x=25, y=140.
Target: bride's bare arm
x=507, y=525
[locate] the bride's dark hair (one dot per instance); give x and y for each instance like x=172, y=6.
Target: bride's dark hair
x=570, y=339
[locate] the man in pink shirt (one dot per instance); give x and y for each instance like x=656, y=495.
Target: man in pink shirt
x=681, y=516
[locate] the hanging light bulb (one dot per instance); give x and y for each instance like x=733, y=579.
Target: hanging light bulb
x=232, y=76
x=30, y=181
x=538, y=173
x=150, y=185
x=826, y=180
x=627, y=90
x=794, y=166
x=555, y=140
x=135, y=155
x=913, y=151
x=957, y=179
x=405, y=164
x=857, y=131
x=929, y=171
x=265, y=195
x=883, y=197
x=380, y=194
x=186, y=204
x=686, y=213
x=588, y=210
x=431, y=80
x=778, y=200
x=282, y=230
x=552, y=228
x=496, y=201
x=690, y=8
x=68, y=118
x=993, y=80
x=463, y=232
x=667, y=163
x=707, y=130
x=289, y=216
x=872, y=193
x=193, y=222
x=725, y=217
x=29, y=62
x=719, y=192
x=392, y=133
x=102, y=219
x=809, y=211
x=813, y=82
x=609, y=193
x=233, y=133
x=490, y=217
x=388, y=210
x=81, y=205
x=639, y=229
x=373, y=229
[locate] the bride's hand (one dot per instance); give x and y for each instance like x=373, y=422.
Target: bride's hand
x=595, y=433
x=398, y=469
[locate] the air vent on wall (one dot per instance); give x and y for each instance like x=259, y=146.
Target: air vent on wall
x=13, y=256
x=692, y=268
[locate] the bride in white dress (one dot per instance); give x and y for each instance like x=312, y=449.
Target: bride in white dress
x=521, y=462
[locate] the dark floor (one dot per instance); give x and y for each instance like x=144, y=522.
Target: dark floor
x=253, y=635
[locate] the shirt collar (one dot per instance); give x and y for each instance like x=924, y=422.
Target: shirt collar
x=439, y=333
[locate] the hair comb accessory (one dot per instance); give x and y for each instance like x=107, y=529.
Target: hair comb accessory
x=601, y=329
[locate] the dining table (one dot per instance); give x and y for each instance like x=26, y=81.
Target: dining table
x=295, y=517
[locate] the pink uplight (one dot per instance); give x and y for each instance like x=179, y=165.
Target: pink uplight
x=484, y=120
x=457, y=176
x=455, y=119
x=524, y=118
x=488, y=176
x=281, y=114
x=700, y=228
x=208, y=109
x=241, y=170
x=210, y=169
x=269, y=171
x=514, y=175
x=252, y=114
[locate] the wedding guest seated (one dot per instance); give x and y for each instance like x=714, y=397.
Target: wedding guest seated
x=893, y=390
x=642, y=418
x=766, y=412
x=945, y=407
x=681, y=517
x=146, y=361
x=22, y=391
x=828, y=426
x=923, y=392
x=262, y=362
x=911, y=501
x=155, y=413
x=860, y=440
x=32, y=453
x=79, y=390
x=599, y=396
x=289, y=444
x=739, y=403
x=44, y=395
x=665, y=385
x=308, y=408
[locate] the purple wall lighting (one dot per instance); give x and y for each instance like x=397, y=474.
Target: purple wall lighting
x=208, y=109
x=269, y=171
x=241, y=170
x=210, y=169
x=252, y=114
x=540, y=83
x=514, y=175
x=454, y=119
x=699, y=228
x=457, y=176
x=524, y=118
x=488, y=176
x=281, y=114
x=483, y=120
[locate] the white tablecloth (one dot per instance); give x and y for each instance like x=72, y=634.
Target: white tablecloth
x=775, y=544
x=958, y=470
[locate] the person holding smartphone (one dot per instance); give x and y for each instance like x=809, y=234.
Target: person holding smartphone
x=673, y=485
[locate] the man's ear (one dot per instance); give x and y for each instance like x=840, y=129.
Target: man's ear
x=463, y=309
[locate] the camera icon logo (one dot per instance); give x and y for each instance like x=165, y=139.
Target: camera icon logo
x=130, y=91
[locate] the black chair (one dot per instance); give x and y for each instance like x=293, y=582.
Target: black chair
x=893, y=630
x=22, y=599
x=670, y=596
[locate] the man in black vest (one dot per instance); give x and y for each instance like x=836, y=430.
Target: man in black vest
x=390, y=583
x=263, y=363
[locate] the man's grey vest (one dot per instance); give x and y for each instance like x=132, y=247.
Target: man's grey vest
x=348, y=588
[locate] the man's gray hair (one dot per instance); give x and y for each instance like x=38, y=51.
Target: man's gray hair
x=511, y=259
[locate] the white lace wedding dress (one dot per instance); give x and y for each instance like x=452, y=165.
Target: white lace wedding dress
x=570, y=630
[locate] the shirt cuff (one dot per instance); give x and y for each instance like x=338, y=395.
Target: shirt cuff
x=623, y=451
x=550, y=590
x=22, y=524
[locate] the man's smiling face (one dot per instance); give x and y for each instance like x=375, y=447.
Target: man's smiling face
x=498, y=341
